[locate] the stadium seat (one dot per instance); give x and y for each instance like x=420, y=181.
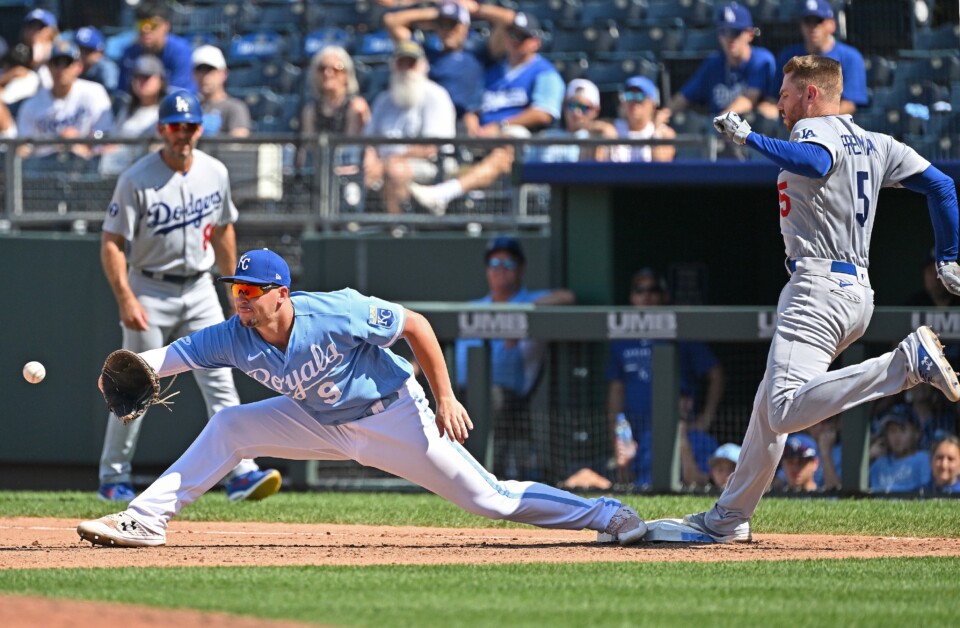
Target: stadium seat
x=945, y=38
x=601, y=11
x=880, y=70
x=931, y=147
x=373, y=78
x=611, y=75
x=656, y=39
x=775, y=35
x=320, y=38
x=559, y=12
x=202, y=38
x=254, y=46
x=570, y=66
x=357, y=16
x=271, y=112
x=941, y=69
x=289, y=16
x=680, y=66
x=377, y=43
x=223, y=19
x=590, y=40
x=693, y=12
x=700, y=40
x=880, y=26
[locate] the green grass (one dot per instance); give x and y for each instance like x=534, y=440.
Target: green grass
x=922, y=518
x=882, y=592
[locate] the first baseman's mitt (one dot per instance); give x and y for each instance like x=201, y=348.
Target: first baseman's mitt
x=130, y=386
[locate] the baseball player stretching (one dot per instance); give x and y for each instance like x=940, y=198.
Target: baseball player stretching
x=172, y=215
x=343, y=395
x=832, y=171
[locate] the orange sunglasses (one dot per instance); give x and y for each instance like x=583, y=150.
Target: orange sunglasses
x=249, y=290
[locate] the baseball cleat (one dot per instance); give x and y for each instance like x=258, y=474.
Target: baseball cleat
x=741, y=534
x=426, y=196
x=254, y=485
x=625, y=527
x=119, y=530
x=116, y=492
x=933, y=367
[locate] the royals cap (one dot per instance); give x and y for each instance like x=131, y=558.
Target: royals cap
x=260, y=267
x=645, y=85
x=505, y=243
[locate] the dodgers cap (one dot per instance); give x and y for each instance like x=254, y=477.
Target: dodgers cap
x=90, y=37
x=260, y=267
x=734, y=17
x=505, y=243
x=181, y=106
x=800, y=446
x=818, y=8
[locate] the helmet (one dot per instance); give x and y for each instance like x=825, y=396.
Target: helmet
x=180, y=106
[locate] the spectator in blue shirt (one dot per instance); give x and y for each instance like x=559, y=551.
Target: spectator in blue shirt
x=818, y=26
x=153, y=25
x=97, y=67
x=799, y=462
x=902, y=468
x=736, y=79
x=515, y=364
x=945, y=466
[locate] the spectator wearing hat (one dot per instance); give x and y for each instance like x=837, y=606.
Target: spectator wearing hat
x=945, y=466
x=138, y=114
x=71, y=108
x=154, y=37
x=18, y=80
x=630, y=378
x=818, y=26
x=516, y=365
x=581, y=108
x=799, y=463
x=97, y=67
x=639, y=100
x=39, y=31
x=222, y=113
x=735, y=79
x=523, y=94
x=902, y=468
x=413, y=106
x=722, y=464
x=459, y=64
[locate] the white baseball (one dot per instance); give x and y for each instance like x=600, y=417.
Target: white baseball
x=34, y=372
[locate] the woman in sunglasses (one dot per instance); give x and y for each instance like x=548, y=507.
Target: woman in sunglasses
x=638, y=107
x=137, y=114
x=581, y=108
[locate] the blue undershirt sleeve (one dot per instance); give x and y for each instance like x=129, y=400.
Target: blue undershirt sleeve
x=803, y=158
x=941, y=196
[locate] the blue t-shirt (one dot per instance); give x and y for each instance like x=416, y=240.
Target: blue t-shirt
x=716, y=85
x=891, y=475
x=508, y=91
x=514, y=364
x=851, y=64
x=336, y=365
x=461, y=73
x=105, y=72
x=177, y=61
x=953, y=489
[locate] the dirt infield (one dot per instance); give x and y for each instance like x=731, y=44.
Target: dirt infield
x=29, y=543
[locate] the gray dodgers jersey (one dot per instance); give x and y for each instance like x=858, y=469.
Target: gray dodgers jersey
x=832, y=217
x=168, y=217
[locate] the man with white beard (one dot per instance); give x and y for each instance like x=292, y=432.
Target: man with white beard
x=414, y=106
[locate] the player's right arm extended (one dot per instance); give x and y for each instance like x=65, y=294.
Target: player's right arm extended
x=806, y=159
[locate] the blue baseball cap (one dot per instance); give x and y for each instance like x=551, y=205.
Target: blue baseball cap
x=260, y=267
x=800, y=446
x=180, y=106
x=901, y=414
x=505, y=243
x=41, y=15
x=646, y=86
x=89, y=37
x=726, y=451
x=818, y=8
x=454, y=11
x=64, y=48
x=734, y=17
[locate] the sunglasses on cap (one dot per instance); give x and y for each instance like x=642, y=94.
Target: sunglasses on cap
x=506, y=264
x=634, y=96
x=249, y=290
x=181, y=127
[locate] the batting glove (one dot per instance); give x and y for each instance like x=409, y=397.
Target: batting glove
x=949, y=274
x=732, y=126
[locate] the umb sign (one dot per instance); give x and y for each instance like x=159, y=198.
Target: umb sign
x=492, y=324
x=642, y=325
x=946, y=323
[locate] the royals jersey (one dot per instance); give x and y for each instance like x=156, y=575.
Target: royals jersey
x=168, y=217
x=336, y=365
x=832, y=217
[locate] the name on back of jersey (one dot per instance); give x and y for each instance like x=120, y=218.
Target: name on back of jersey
x=857, y=144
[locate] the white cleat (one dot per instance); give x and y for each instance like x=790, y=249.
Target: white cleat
x=625, y=527
x=426, y=196
x=119, y=530
x=933, y=367
x=741, y=534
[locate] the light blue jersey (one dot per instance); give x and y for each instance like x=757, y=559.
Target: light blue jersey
x=337, y=364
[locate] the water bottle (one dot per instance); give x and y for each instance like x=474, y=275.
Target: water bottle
x=624, y=431
x=625, y=450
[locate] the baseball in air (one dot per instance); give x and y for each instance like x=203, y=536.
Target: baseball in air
x=34, y=372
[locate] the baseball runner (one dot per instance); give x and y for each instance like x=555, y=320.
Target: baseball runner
x=170, y=219
x=832, y=172
x=343, y=395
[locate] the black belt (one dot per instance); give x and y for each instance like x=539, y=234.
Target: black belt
x=380, y=405
x=178, y=279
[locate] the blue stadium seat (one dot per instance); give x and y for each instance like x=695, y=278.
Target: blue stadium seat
x=244, y=77
x=945, y=38
x=330, y=36
x=622, y=12
x=880, y=26
x=223, y=19
x=880, y=70
x=611, y=75
x=259, y=45
x=202, y=38
x=273, y=113
x=692, y=13
x=930, y=146
x=377, y=43
x=657, y=39
x=357, y=16
x=288, y=16
x=590, y=40
x=373, y=78
x=680, y=66
x=565, y=12
x=570, y=65
x=701, y=40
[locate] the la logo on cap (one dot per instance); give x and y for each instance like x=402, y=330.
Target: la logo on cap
x=729, y=15
x=182, y=105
